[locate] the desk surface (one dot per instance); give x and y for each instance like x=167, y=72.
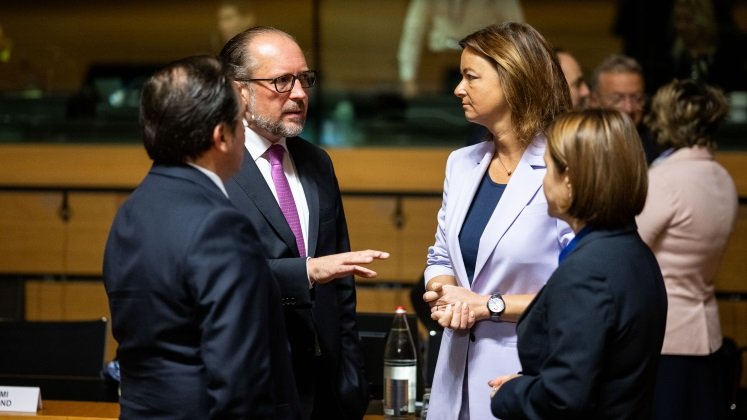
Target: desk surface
x=70, y=410
x=84, y=410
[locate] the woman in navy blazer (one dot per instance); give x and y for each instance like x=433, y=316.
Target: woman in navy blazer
x=589, y=342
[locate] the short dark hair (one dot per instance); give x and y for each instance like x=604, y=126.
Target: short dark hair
x=529, y=72
x=180, y=106
x=687, y=113
x=240, y=65
x=602, y=155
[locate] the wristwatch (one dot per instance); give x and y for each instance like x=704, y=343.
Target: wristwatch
x=496, y=306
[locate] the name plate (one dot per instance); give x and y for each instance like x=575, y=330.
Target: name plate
x=24, y=399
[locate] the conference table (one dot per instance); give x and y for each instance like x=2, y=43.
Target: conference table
x=69, y=410
x=85, y=410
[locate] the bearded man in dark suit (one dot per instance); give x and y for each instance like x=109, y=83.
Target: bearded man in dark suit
x=288, y=189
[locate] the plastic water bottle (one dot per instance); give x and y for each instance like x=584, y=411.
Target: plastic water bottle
x=400, y=368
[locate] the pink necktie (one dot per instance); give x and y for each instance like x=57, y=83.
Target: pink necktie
x=285, y=196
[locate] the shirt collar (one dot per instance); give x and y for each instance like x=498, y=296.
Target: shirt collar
x=212, y=175
x=258, y=145
x=574, y=242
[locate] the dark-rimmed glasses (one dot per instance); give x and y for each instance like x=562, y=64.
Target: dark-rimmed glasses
x=286, y=82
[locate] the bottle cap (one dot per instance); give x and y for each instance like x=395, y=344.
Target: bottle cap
x=400, y=310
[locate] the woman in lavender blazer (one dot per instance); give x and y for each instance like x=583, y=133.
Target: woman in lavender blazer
x=495, y=241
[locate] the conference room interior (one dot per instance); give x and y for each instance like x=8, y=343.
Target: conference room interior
x=70, y=154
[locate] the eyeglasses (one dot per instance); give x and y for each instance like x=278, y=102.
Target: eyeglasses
x=286, y=82
x=619, y=99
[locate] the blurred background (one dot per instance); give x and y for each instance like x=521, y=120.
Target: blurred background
x=70, y=71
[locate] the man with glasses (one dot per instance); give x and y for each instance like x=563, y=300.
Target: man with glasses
x=617, y=83
x=288, y=189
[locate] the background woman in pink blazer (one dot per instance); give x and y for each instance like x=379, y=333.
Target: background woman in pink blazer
x=689, y=215
x=495, y=241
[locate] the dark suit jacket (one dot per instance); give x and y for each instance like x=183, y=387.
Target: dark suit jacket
x=590, y=341
x=321, y=320
x=194, y=307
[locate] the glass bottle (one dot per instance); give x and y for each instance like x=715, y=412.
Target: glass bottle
x=400, y=368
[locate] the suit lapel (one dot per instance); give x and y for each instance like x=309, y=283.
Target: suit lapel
x=250, y=180
x=306, y=171
x=462, y=193
x=520, y=191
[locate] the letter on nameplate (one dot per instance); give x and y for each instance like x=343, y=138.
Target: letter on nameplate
x=24, y=399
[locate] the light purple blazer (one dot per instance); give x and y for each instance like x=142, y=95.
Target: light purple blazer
x=518, y=251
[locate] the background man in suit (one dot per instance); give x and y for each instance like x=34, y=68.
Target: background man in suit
x=574, y=75
x=299, y=215
x=617, y=83
x=194, y=308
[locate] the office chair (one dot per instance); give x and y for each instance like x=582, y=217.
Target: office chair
x=63, y=358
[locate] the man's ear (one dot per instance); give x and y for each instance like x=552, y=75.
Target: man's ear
x=220, y=140
x=243, y=91
x=244, y=95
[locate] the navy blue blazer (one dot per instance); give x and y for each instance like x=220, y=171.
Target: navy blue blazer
x=194, y=308
x=320, y=322
x=589, y=342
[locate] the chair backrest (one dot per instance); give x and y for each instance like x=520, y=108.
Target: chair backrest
x=63, y=358
x=53, y=348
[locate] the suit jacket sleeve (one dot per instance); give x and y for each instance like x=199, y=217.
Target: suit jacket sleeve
x=438, y=261
x=657, y=213
x=291, y=275
x=229, y=280
x=564, y=382
x=351, y=383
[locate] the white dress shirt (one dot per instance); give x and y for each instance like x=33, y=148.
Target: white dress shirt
x=212, y=175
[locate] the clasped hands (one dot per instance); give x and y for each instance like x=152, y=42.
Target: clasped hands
x=324, y=269
x=453, y=306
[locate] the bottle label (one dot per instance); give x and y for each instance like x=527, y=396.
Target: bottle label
x=396, y=400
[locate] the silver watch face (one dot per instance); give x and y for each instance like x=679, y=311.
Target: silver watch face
x=496, y=305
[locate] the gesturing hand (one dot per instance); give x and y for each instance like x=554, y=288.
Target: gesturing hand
x=329, y=267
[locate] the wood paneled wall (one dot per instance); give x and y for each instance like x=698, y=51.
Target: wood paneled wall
x=400, y=218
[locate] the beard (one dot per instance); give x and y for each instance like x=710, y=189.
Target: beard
x=276, y=127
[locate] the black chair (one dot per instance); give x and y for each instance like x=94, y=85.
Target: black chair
x=63, y=358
